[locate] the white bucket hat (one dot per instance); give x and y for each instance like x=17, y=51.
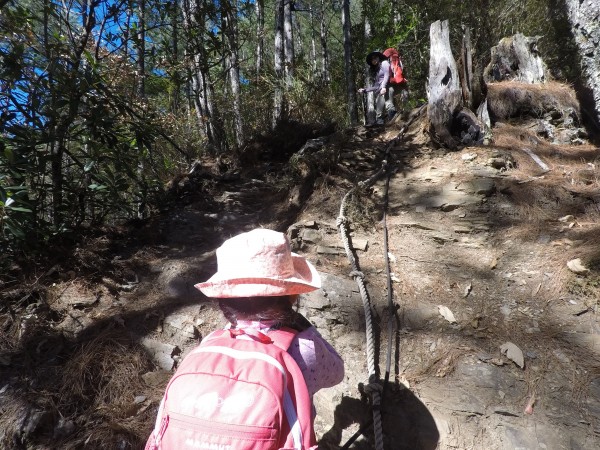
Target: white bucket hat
x=259, y=263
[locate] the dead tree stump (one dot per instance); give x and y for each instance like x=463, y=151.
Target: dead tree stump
x=516, y=58
x=445, y=94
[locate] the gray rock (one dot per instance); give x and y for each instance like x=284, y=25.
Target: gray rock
x=311, y=236
x=315, y=300
x=161, y=353
x=482, y=186
x=322, y=250
x=158, y=378
x=181, y=325
x=487, y=376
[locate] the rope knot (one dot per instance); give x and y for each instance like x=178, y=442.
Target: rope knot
x=358, y=274
x=341, y=220
x=372, y=388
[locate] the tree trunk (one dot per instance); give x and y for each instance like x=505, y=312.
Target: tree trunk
x=278, y=96
x=60, y=124
x=288, y=43
x=445, y=96
x=368, y=98
x=230, y=14
x=313, y=44
x=397, y=13
x=298, y=44
x=140, y=44
x=584, y=16
x=260, y=33
x=325, y=74
x=349, y=73
x=175, y=98
x=202, y=92
x=466, y=78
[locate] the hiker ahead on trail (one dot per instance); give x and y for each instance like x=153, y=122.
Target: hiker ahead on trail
x=387, y=70
x=250, y=385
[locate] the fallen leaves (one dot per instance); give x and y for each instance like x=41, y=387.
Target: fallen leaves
x=446, y=313
x=577, y=267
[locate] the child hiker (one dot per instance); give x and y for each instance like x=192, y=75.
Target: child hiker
x=251, y=384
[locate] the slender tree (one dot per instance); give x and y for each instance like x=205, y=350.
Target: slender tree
x=194, y=14
x=229, y=11
x=325, y=73
x=174, y=72
x=259, y=6
x=278, y=95
x=288, y=42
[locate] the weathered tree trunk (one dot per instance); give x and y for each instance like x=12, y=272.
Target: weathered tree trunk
x=516, y=58
x=369, y=98
x=278, y=95
x=466, y=78
x=584, y=16
x=313, y=43
x=324, y=47
x=288, y=42
x=350, y=82
x=297, y=34
x=230, y=14
x=445, y=95
x=260, y=33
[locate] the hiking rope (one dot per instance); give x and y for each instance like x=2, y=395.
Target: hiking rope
x=358, y=276
x=374, y=388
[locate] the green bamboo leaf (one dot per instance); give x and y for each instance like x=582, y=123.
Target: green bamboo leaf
x=15, y=231
x=18, y=208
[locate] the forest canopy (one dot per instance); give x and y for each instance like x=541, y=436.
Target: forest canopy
x=104, y=101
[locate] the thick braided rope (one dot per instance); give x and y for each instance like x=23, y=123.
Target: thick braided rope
x=373, y=388
x=341, y=223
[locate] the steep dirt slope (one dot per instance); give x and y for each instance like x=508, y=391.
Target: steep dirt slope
x=478, y=246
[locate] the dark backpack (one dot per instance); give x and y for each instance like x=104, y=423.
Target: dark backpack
x=396, y=67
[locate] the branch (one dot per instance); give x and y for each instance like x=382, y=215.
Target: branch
x=138, y=116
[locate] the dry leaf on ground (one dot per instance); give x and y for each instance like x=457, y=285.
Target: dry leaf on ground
x=446, y=313
x=513, y=353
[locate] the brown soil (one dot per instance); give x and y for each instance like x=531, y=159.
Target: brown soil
x=485, y=232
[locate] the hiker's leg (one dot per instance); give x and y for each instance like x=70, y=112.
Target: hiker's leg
x=389, y=100
x=403, y=94
x=389, y=103
x=379, y=105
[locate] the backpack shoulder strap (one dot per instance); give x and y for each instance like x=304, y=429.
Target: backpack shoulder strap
x=283, y=337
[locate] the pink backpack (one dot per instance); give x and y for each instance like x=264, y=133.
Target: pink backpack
x=236, y=393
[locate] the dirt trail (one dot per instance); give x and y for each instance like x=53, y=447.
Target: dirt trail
x=482, y=234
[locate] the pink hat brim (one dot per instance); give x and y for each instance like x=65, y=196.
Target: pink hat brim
x=305, y=279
